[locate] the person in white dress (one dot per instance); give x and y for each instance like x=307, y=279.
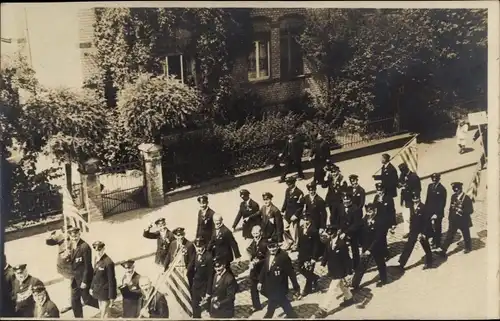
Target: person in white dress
x=462, y=130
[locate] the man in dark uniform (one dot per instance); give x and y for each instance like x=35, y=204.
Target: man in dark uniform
x=257, y=252
x=202, y=270
x=22, y=291
x=388, y=176
x=271, y=218
x=249, y=210
x=309, y=248
x=292, y=210
x=436, y=202
x=205, y=226
x=153, y=303
x=334, y=180
x=44, y=307
x=82, y=272
x=8, y=307
x=373, y=233
x=187, y=250
x=409, y=182
x=292, y=156
x=130, y=290
x=315, y=206
x=319, y=154
x=273, y=280
x=163, y=237
x=358, y=193
x=459, y=218
x=387, y=209
x=103, y=286
x=222, y=292
x=350, y=223
x=420, y=229
x=222, y=243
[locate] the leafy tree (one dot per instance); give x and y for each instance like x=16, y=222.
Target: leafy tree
x=370, y=61
x=154, y=105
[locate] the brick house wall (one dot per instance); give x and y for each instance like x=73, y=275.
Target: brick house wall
x=274, y=91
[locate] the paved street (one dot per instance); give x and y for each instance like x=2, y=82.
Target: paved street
x=456, y=289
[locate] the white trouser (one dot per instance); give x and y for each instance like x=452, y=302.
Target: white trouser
x=336, y=287
x=104, y=308
x=406, y=219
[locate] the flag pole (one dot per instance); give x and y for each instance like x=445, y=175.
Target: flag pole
x=407, y=144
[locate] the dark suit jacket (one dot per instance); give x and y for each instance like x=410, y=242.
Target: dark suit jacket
x=190, y=252
x=47, y=310
x=316, y=208
x=358, y=196
x=131, y=294
x=269, y=228
x=293, y=151
x=351, y=220
x=461, y=209
x=8, y=300
x=162, y=244
x=274, y=280
x=336, y=185
x=81, y=263
x=257, y=252
x=389, y=178
x=320, y=152
x=103, y=284
x=223, y=290
x=373, y=233
x=436, y=199
x=158, y=307
x=411, y=185
x=224, y=245
x=205, y=225
x=202, y=272
x=24, y=298
x=248, y=212
x=386, y=207
x=420, y=219
x=293, y=203
x=308, y=244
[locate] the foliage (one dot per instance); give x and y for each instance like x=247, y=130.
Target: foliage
x=370, y=61
x=153, y=105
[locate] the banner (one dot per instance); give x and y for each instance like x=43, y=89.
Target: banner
x=409, y=156
x=474, y=184
x=71, y=214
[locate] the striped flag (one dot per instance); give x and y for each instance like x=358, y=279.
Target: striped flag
x=179, y=288
x=409, y=156
x=474, y=184
x=71, y=213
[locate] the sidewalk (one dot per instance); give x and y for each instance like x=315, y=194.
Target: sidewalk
x=123, y=234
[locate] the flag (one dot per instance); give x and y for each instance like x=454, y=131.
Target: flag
x=179, y=287
x=408, y=155
x=71, y=213
x=474, y=184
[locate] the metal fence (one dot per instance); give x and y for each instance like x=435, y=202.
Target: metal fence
x=366, y=132
x=34, y=206
x=122, y=188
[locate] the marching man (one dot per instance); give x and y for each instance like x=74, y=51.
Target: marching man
x=257, y=252
x=410, y=185
x=163, y=237
x=292, y=210
x=103, y=286
x=153, y=303
x=222, y=244
x=271, y=218
x=202, y=270
x=436, y=202
x=22, y=290
x=130, y=290
x=222, y=292
x=205, y=225
x=249, y=211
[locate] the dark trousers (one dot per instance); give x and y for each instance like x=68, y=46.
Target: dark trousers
x=310, y=276
x=319, y=174
x=290, y=166
x=77, y=295
x=438, y=231
x=280, y=302
x=452, y=230
x=378, y=257
x=254, y=293
x=196, y=297
x=410, y=245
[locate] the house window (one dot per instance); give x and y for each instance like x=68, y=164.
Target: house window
x=180, y=67
x=259, y=59
x=291, y=57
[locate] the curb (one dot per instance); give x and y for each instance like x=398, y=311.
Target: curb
x=371, y=192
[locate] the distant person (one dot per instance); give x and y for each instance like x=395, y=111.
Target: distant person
x=462, y=130
x=388, y=176
x=292, y=156
x=249, y=211
x=320, y=152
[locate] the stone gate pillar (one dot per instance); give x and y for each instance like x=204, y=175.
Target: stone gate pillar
x=153, y=174
x=92, y=190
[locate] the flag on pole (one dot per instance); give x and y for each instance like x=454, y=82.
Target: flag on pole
x=474, y=184
x=409, y=156
x=71, y=214
x=178, y=285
